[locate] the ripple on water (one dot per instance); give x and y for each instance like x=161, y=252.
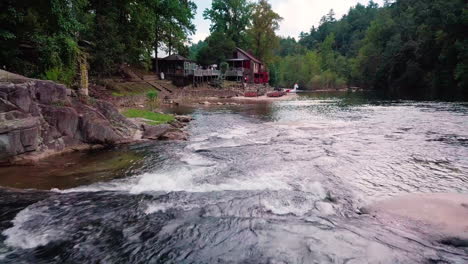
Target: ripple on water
x=282, y=188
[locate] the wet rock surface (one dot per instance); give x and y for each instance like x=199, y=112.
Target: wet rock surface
x=41, y=116
x=444, y=216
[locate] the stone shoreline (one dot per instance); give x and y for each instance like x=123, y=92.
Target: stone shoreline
x=41, y=118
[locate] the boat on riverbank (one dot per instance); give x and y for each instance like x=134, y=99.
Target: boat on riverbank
x=276, y=94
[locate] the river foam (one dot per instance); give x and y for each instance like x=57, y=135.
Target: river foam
x=23, y=237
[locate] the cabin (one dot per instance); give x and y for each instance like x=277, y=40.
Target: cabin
x=176, y=65
x=243, y=66
x=183, y=71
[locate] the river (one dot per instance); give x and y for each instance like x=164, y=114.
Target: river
x=278, y=182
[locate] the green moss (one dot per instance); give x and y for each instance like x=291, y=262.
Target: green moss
x=156, y=118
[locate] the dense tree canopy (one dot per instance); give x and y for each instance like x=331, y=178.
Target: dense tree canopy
x=38, y=38
x=405, y=48
x=217, y=49
x=238, y=23
x=262, y=36
x=231, y=17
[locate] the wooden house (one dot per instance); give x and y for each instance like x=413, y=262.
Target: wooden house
x=183, y=71
x=176, y=66
x=243, y=66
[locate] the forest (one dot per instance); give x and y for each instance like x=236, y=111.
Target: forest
x=49, y=38
x=404, y=48
x=414, y=48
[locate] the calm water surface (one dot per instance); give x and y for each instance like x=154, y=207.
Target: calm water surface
x=274, y=182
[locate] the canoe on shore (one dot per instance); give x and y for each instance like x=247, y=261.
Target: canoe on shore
x=276, y=94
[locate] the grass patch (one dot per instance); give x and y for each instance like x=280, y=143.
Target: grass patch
x=156, y=118
x=122, y=89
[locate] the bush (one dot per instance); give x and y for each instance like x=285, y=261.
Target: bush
x=224, y=66
x=56, y=74
x=152, y=95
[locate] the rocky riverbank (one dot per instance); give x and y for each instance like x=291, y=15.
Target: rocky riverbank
x=39, y=118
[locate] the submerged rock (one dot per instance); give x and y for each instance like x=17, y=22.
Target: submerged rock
x=38, y=117
x=184, y=118
x=155, y=132
x=443, y=216
x=175, y=135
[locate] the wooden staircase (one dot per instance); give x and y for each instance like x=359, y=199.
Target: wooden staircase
x=153, y=81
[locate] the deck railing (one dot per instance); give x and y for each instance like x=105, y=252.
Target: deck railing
x=235, y=72
x=200, y=72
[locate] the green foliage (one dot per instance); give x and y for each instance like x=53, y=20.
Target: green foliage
x=232, y=18
x=155, y=118
x=224, y=66
x=238, y=23
x=416, y=48
x=406, y=48
x=64, y=76
x=172, y=25
x=219, y=47
x=40, y=38
x=152, y=95
x=262, y=36
x=195, y=49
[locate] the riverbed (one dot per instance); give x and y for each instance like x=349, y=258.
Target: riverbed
x=257, y=182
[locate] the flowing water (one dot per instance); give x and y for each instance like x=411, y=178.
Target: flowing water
x=277, y=182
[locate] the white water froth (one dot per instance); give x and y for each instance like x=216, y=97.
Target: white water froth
x=20, y=236
x=193, y=180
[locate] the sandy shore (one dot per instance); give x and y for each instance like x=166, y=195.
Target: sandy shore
x=443, y=215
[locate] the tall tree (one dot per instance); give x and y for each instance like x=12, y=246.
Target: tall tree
x=217, y=49
x=262, y=34
x=173, y=24
x=232, y=17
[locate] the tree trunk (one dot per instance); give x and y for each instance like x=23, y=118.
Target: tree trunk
x=156, y=46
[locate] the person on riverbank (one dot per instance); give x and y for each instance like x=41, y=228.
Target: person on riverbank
x=296, y=87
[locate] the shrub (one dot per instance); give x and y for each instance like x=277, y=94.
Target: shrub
x=152, y=95
x=56, y=74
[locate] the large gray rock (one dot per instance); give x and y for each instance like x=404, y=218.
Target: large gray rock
x=18, y=136
x=36, y=116
x=183, y=118
x=96, y=130
x=175, y=134
x=155, y=132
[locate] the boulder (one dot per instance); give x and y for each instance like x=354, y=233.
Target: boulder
x=47, y=92
x=65, y=119
x=20, y=97
x=41, y=116
x=174, y=135
x=184, y=118
x=18, y=136
x=155, y=132
x=96, y=130
x=177, y=124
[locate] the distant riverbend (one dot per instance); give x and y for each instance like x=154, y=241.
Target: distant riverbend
x=284, y=181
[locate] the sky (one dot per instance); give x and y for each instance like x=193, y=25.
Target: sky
x=298, y=15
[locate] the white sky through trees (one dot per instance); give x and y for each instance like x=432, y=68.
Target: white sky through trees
x=298, y=15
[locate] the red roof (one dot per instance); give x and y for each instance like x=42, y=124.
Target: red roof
x=248, y=55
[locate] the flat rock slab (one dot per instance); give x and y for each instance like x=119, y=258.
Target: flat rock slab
x=439, y=214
